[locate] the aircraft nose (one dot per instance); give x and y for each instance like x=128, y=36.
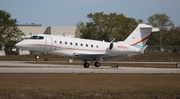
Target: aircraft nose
x=19, y=45
x=24, y=45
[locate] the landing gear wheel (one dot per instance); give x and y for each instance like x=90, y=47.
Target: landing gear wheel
x=36, y=57
x=97, y=64
x=86, y=65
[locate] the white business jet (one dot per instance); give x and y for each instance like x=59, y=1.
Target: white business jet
x=90, y=50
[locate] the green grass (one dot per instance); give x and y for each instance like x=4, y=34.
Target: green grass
x=89, y=86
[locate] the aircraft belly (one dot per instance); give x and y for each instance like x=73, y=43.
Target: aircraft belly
x=63, y=53
x=118, y=57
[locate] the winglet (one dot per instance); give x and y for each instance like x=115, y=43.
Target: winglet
x=113, y=40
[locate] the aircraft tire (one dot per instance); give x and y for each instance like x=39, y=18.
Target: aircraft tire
x=97, y=64
x=36, y=57
x=86, y=65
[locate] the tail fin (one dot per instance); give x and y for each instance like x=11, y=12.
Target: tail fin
x=140, y=35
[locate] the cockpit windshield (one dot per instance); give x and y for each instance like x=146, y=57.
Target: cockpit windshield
x=37, y=37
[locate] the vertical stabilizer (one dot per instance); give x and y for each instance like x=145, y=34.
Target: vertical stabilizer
x=139, y=36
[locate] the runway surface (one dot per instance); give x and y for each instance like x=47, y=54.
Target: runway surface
x=24, y=67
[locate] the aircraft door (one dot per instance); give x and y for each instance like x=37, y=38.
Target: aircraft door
x=48, y=43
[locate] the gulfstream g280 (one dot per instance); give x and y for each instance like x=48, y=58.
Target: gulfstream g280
x=90, y=50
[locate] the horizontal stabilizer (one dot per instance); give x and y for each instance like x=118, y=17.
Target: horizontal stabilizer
x=155, y=29
x=142, y=50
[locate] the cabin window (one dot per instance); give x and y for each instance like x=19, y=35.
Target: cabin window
x=76, y=44
x=97, y=46
x=37, y=37
x=91, y=45
x=81, y=44
x=60, y=42
x=33, y=37
x=86, y=45
x=65, y=42
x=40, y=38
x=71, y=43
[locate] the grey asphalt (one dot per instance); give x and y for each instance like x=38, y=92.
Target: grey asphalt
x=24, y=67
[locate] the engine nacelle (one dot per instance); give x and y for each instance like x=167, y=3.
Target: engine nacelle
x=118, y=47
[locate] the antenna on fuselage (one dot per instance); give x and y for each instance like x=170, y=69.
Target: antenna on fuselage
x=113, y=40
x=31, y=34
x=64, y=34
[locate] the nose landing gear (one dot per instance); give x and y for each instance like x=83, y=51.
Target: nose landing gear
x=37, y=57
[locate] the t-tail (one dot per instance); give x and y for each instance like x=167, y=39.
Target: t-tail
x=140, y=35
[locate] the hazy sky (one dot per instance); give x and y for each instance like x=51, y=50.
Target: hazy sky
x=70, y=12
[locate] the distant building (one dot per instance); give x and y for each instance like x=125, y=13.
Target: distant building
x=33, y=29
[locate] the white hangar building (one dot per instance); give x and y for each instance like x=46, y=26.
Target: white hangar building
x=33, y=29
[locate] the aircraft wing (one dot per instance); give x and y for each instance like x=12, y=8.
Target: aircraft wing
x=98, y=57
x=90, y=57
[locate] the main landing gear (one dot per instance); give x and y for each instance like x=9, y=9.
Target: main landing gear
x=96, y=64
x=86, y=65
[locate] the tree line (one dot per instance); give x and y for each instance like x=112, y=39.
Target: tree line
x=106, y=27
x=10, y=34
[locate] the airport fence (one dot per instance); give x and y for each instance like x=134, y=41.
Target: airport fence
x=170, y=49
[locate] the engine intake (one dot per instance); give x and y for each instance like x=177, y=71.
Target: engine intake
x=111, y=46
